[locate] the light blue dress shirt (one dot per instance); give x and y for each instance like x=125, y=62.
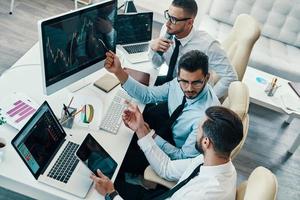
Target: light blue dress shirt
x=185, y=127
x=202, y=41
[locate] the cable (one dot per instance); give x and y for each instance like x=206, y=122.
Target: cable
x=18, y=66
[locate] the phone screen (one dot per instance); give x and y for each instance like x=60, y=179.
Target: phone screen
x=95, y=157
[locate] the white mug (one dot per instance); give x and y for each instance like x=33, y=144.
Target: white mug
x=2, y=148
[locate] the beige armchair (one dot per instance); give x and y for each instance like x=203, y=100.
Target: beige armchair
x=239, y=43
x=238, y=101
x=262, y=184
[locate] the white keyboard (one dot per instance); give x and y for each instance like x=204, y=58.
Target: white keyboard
x=113, y=118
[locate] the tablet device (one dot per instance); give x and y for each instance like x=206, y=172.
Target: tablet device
x=95, y=157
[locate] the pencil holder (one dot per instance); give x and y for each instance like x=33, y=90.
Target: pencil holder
x=67, y=120
x=270, y=90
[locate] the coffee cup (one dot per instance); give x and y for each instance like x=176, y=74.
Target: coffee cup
x=2, y=148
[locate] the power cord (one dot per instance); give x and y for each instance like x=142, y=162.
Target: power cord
x=18, y=66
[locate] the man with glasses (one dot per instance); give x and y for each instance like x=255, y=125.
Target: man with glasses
x=187, y=96
x=179, y=36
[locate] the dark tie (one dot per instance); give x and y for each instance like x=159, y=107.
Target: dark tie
x=167, y=128
x=177, y=112
x=169, y=193
x=173, y=61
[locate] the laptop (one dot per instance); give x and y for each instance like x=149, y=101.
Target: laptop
x=134, y=31
x=49, y=153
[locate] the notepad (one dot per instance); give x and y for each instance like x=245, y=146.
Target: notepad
x=107, y=82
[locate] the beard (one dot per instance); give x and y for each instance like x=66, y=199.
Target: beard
x=198, y=146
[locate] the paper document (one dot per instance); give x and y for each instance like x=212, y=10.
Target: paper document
x=292, y=104
x=17, y=109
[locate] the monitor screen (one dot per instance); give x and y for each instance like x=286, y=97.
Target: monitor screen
x=39, y=139
x=134, y=27
x=73, y=44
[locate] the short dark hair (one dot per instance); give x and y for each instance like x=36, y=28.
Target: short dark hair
x=189, y=6
x=193, y=61
x=224, y=128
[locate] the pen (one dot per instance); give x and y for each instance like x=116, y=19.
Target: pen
x=103, y=44
x=73, y=115
x=70, y=102
x=66, y=110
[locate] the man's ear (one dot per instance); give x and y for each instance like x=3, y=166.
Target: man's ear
x=205, y=142
x=207, y=76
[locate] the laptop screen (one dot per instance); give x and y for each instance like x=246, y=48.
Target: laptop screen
x=134, y=28
x=39, y=139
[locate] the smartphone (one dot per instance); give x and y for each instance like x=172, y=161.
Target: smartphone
x=92, y=154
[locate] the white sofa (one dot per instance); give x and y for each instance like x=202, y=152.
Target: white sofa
x=278, y=49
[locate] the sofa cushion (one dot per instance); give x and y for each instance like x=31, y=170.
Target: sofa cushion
x=280, y=19
x=267, y=55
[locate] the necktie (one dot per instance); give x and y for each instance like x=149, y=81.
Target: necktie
x=173, y=61
x=177, y=112
x=167, y=128
x=179, y=185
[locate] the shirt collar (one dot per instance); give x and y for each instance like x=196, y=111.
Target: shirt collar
x=215, y=170
x=185, y=40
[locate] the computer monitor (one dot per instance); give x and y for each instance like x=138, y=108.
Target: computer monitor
x=73, y=44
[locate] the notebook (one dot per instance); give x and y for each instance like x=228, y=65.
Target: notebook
x=134, y=31
x=296, y=87
x=49, y=153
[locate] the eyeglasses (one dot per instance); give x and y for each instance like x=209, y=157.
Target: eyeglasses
x=195, y=84
x=173, y=19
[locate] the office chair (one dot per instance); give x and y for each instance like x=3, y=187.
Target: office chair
x=262, y=184
x=239, y=43
x=238, y=101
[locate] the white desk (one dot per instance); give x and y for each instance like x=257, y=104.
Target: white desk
x=259, y=97
x=14, y=175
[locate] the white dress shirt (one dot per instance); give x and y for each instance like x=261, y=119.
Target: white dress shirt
x=202, y=41
x=212, y=182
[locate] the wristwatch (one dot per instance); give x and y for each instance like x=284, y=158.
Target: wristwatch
x=112, y=195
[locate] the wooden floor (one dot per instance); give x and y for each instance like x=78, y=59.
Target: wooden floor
x=268, y=137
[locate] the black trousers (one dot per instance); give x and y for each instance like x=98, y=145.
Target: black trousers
x=135, y=161
x=135, y=192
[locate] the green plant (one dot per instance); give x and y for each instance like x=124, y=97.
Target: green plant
x=2, y=119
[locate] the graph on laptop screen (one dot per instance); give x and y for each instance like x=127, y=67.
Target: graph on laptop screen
x=73, y=45
x=134, y=27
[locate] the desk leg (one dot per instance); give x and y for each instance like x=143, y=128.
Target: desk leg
x=11, y=6
x=290, y=119
x=76, y=4
x=295, y=144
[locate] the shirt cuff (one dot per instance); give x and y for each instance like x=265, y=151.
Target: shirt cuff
x=128, y=83
x=146, y=141
x=159, y=141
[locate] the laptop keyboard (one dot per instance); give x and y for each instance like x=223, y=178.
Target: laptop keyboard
x=136, y=48
x=65, y=164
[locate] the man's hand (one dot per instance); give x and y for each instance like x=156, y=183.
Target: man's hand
x=133, y=119
x=160, y=44
x=102, y=183
x=113, y=65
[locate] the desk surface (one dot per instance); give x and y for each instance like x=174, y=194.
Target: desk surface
x=25, y=77
x=257, y=80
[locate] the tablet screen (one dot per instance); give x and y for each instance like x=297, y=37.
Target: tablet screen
x=95, y=157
